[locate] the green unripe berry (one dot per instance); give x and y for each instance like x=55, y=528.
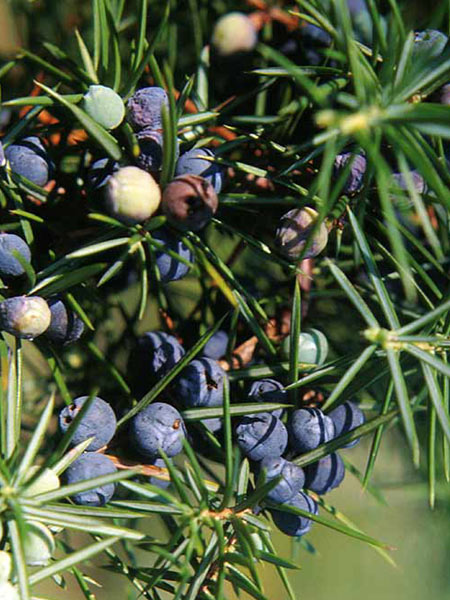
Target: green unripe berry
x=46, y=482
x=5, y=566
x=312, y=347
x=25, y=316
x=39, y=544
x=234, y=33
x=8, y=591
x=104, y=105
x=132, y=195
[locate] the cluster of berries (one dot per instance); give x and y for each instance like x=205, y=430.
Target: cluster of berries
x=30, y=316
x=268, y=439
x=132, y=193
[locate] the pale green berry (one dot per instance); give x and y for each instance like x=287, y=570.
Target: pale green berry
x=132, y=195
x=39, y=544
x=8, y=591
x=312, y=347
x=46, y=482
x=104, y=105
x=5, y=566
x=234, y=33
x=25, y=316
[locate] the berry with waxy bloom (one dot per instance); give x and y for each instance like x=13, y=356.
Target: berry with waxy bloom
x=10, y=266
x=145, y=106
x=261, y=435
x=354, y=181
x=347, y=416
x=171, y=269
x=91, y=465
x=296, y=525
x=325, y=474
x=295, y=229
x=194, y=162
x=65, y=326
x=268, y=390
x=159, y=426
x=291, y=482
x=28, y=157
x=308, y=428
x=201, y=383
x=99, y=422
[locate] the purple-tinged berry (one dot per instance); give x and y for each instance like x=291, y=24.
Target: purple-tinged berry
x=354, y=182
x=234, y=33
x=268, y=390
x=216, y=346
x=325, y=475
x=171, y=269
x=90, y=466
x=399, y=181
x=158, y=426
x=347, y=417
x=261, y=435
x=296, y=525
x=28, y=157
x=98, y=422
x=65, y=325
x=309, y=428
x=291, y=482
x=132, y=195
x=295, y=229
x=194, y=163
x=25, y=316
x=156, y=354
x=189, y=202
x=10, y=266
x=104, y=105
x=145, y=106
x=201, y=383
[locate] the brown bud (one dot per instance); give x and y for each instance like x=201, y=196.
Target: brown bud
x=189, y=202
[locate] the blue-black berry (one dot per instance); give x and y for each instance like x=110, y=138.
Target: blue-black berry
x=89, y=466
x=261, y=435
x=308, y=428
x=325, y=474
x=98, y=422
x=158, y=426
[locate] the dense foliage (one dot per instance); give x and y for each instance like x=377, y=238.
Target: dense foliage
x=224, y=257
